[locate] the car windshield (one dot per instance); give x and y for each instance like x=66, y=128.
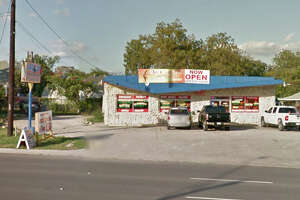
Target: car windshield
x=215, y=109
x=287, y=110
x=179, y=112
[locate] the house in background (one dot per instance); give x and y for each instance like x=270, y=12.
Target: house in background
x=293, y=100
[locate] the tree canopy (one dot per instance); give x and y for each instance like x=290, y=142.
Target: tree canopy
x=287, y=68
x=171, y=47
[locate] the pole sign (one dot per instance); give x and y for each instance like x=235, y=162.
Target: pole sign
x=31, y=73
x=194, y=76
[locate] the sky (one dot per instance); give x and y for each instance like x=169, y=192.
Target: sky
x=98, y=30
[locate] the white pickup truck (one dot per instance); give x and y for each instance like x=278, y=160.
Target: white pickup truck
x=281, y=116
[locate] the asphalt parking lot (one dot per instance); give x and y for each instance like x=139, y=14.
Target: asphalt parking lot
x=242, y=145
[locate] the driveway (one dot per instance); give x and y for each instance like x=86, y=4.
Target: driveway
x=247, y=145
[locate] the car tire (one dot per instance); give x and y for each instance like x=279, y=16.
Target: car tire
x=262, y=122
x=169, y=127
x=205, y=126
x=280, y=125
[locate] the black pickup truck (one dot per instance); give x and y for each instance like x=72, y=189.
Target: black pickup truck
x=214, y=116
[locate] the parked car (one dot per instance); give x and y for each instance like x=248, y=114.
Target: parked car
x=179, y=117
x=281, y=116
x=214, y=116
x=21, y=103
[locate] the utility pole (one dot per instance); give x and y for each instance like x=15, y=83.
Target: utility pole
x=11, y=78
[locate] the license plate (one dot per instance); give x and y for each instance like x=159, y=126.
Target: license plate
x=219, y=123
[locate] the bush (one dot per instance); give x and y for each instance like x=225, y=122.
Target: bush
x=86, y=106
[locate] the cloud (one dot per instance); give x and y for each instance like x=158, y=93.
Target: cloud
x=267, y=49
x=289, y=37
x=65, y=12
x=4, y=16
x=60, y=49
x=260, y=48
x=32, y=14
x=60, y=2
x=3, y=2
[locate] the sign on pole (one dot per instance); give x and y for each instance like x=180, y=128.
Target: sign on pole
x=194, y=76
x=31, y=73
x=26, y=138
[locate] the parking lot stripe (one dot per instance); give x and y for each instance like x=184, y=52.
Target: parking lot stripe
x=228, y=180
x=208, y=198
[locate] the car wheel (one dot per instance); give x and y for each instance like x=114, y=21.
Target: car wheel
x=262, y=122
x=169, y=127
x=205, y=126
x=280, y=125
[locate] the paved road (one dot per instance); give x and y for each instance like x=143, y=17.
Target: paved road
x=29, y=177
x=244, y=145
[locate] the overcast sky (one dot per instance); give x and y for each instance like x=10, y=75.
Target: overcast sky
x=97, y=30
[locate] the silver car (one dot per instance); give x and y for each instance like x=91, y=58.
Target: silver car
x=179, y=117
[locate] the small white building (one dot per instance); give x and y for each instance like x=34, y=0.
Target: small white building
x=129, y=103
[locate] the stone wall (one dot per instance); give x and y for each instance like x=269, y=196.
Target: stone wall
x=198, y=100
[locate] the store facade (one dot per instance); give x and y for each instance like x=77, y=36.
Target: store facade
x=129, y=103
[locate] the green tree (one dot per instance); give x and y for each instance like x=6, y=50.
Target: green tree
x=71, y=85
x=287, y=68
x=171, y=47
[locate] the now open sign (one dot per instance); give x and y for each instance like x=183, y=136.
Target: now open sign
x=196, y=76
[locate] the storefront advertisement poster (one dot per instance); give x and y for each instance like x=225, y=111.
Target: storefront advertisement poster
x=132, y=103
x=195, y=76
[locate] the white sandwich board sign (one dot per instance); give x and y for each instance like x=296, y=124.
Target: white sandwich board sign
x=28, y=138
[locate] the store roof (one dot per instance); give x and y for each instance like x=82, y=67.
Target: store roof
x=216, y=82
x=294, y=97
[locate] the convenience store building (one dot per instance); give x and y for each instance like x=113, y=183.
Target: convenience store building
x=126, y=102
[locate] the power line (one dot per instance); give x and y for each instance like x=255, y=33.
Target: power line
x=7, y=14
x=32, y=36
x=65, y=43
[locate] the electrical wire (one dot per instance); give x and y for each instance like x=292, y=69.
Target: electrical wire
x=65, y=43
x=2, y=34
x=32, y=36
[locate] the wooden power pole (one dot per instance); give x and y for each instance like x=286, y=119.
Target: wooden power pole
x=11, y=78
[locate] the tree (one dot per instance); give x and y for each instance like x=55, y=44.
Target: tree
x=287, y=68
x=71, y=85
x=168, y=47
x=171, y=47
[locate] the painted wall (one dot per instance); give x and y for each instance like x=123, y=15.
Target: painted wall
x=198, y=100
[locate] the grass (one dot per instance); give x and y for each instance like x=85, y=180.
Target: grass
x=96, y=117
x=56, y=143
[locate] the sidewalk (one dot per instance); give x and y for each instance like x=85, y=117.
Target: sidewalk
x=253, y=146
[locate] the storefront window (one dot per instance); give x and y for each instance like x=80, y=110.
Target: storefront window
x=169, y=101
x=220, y=100
x=252, y=103
x=245, y=104
x=130, y=103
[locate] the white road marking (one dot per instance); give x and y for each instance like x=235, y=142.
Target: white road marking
x=228, y=180
x=208, y=198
